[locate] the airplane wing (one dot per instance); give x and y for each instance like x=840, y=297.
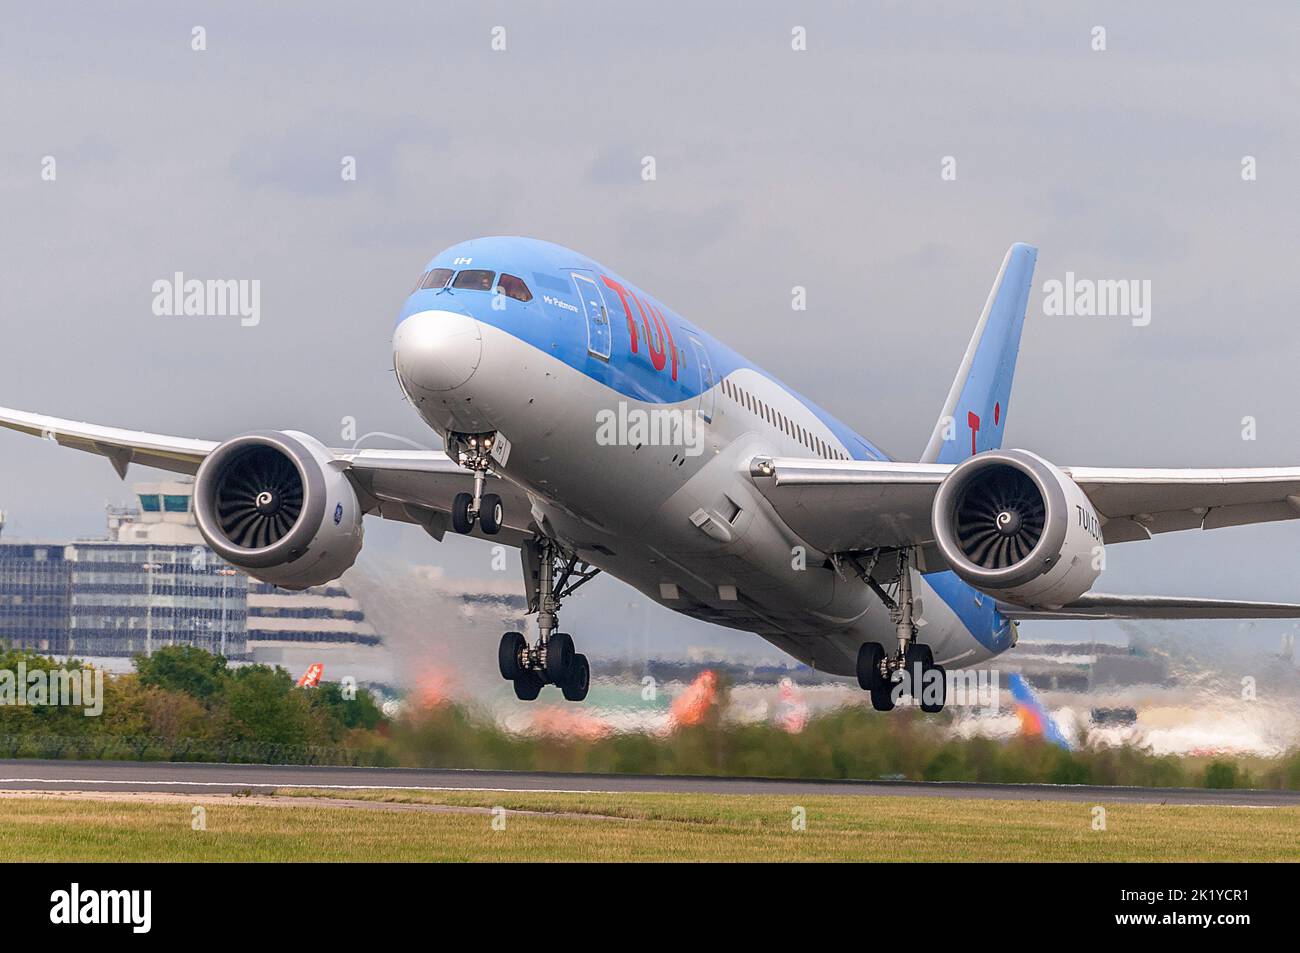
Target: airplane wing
x=856, y=505
x=413, y=486
x=1100, y=605
x=122, y=447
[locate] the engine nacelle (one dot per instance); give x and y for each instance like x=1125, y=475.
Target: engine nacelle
x=271, y=503
x=1014, y=526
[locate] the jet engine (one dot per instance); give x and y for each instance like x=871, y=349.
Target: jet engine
x=1014, y=526
x=272, y=504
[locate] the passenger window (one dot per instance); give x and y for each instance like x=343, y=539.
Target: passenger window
x=513, y=287
x=436, y=278
x=474, y=280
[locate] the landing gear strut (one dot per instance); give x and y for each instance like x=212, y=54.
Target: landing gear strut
x=550, y=574
x=912, y=664
x=474, y=452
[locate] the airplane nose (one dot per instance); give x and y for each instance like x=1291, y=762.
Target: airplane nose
x=436, y=350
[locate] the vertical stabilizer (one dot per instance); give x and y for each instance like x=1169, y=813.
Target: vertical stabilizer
x=975, y=414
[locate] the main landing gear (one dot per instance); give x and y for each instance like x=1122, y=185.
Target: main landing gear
x=550, y=575
x=912, y=665
x=474, y=451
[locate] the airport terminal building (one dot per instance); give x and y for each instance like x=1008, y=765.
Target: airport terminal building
x=154, y=582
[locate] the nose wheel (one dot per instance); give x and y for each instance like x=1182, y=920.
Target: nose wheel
x=475, y=453
x=552, y=659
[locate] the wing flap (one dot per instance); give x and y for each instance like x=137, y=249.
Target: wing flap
x=851, y=505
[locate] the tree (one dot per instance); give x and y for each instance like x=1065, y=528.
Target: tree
x=184, y=668
x=358, y=712
x=264, y=706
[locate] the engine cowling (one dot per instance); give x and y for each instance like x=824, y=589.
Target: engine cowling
x=1014, y=526
x=270, y=503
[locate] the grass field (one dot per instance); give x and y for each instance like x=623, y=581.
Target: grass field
x=459, y=826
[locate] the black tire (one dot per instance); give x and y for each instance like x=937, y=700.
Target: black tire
x=882, y=696
x=933, y=708
x=917, y=652
x=575, y=689
x=559, y=658
x=527, y=687
x=917, y=655
x=870, y=655
x=490, y=513
x=512, y=646
x=460, y=518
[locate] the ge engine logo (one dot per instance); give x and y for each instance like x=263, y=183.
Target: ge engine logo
x=338, y=513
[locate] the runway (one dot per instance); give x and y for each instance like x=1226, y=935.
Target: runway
x=120, y=776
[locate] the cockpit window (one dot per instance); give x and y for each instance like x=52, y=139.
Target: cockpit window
x=474, y=280
x=436, y=278
x=513, y=287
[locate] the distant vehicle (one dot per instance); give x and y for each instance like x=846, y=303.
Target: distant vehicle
x=1114, y=716
x=311, y=677
x=597, y=430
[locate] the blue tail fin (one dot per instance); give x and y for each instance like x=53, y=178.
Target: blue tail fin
x=975, y=413
x=1034, y=719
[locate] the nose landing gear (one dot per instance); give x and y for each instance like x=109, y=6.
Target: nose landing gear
x=551, y=575
x=474, y=452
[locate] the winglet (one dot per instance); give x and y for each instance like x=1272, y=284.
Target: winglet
x=975, y=413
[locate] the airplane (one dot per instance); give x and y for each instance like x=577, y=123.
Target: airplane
x=597, y=430
x=311, y=678
x=1035, y=721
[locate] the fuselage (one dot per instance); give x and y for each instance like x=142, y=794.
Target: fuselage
x=631, y=431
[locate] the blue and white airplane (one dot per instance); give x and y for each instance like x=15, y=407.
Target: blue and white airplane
x=596, y=429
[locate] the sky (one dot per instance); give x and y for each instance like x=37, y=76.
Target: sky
x=775, y=167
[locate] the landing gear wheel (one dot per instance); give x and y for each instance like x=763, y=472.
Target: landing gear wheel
x=934, y=693
x=870, y=657
x=490, y=513
x=575, y=689
x=512, y=648
x=882, y=696
x=918, y=653
x=461, y=521
x=916, y=662
x=559, y=658
x=527, y=687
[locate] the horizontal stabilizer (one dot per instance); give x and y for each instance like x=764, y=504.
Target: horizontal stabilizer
x=1100, y=605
